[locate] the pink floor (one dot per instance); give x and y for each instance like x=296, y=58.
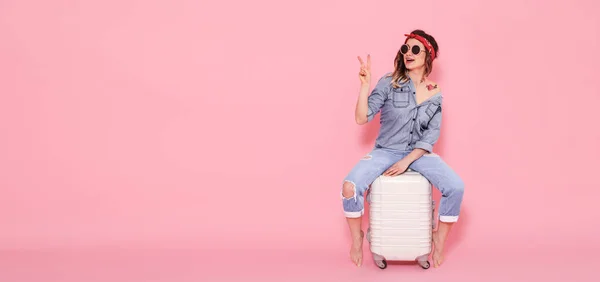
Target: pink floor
x=115, y=265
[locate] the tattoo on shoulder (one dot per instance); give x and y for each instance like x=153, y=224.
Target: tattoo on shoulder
x=431, y=87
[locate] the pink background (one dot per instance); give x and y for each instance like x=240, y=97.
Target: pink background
x=112, y=111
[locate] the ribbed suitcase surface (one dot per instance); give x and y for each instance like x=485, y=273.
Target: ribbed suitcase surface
x=400, y=219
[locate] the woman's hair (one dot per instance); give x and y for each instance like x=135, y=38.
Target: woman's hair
x=399, y=74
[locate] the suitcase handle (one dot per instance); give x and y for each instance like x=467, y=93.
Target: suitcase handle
x=433, y=214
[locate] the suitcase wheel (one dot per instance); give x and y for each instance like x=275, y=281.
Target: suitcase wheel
x=381, y=264
x=425, y=264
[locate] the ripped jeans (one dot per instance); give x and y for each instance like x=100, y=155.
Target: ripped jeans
x=431, y=166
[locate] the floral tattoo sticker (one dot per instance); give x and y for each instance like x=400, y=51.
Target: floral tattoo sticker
x=431, y=87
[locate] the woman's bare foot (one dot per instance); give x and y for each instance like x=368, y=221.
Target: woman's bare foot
x=356, y=253
x=438, y=251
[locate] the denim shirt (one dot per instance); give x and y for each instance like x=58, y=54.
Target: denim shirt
x=404, y=124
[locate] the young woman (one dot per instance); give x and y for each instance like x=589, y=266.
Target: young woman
x=411, y=116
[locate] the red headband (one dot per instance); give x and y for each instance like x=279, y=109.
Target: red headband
x=424, y=41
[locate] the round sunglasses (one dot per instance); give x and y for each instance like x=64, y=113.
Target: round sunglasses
x=415, y=49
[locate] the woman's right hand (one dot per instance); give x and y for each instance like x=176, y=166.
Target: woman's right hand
x=365, y=70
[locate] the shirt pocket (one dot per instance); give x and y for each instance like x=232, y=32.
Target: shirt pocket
x=401, y=97
x=431, y=109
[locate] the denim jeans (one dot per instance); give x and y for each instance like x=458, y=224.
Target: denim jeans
x=431, y=166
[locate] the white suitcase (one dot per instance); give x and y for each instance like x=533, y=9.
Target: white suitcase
x=401, y=219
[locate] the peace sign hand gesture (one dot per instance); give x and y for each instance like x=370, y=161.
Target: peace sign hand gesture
x=365, y=70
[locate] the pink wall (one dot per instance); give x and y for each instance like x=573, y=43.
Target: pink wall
x=110, y=113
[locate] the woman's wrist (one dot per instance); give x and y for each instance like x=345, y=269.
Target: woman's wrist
x=414, y=155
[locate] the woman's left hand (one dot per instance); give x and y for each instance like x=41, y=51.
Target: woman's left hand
x=397, y=168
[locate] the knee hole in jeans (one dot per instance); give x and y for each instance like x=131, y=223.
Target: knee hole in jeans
x=348, y=190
